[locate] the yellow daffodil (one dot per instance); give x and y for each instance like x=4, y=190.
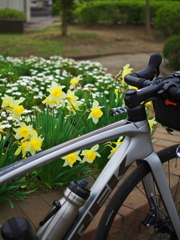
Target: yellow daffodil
x=119, y=141
x=1, y=131
x=17, y=111
x=7, y=101
x=73, y=107
x=71, y=158
x=91, y=154
x=116, y=91
x=49, y=103
x=96, y=112
x=118, y=94
x=34, y=144
x=22, y=148
x=152, y=122
x=126, y=70
x=13, y=106
x=148, y=103
x=71, y=96
x=74, y=82
x=56, y=92
x=132, y=87
x=23, y=131
x=113, y=150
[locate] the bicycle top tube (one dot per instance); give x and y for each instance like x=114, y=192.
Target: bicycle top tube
x=116, y=129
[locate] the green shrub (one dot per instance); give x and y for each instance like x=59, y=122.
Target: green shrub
x=113, y=12
x=7, y=13
x=70, y=7
x=134, y=11
x=171, y=52
x=168, y=19
x=86, y=14
x=107, y=12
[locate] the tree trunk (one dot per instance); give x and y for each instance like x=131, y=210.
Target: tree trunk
x=148, y=19
x=64, y=18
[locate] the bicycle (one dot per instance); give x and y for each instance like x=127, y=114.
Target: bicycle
x=159, y=217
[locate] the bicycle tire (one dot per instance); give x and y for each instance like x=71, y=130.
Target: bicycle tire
x=116, y=211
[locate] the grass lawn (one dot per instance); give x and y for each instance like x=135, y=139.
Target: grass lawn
x=44, y=43
x=80, y=41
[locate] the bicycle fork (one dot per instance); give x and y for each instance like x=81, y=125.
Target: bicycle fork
x=162, y=185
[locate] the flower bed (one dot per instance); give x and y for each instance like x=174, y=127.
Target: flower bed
x=47, y=102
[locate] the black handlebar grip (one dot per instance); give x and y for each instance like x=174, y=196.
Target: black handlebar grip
x=134, y=80
x=153, y=65
x=140, y=78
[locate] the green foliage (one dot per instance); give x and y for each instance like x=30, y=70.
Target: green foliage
x=7, y=149
x=171, y=52
x=7, y=13
x=70, y=7
x=15, y=190
x=168, y=19
x=114, y=12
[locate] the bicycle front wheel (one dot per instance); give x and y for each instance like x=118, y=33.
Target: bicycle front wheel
x=126, y=219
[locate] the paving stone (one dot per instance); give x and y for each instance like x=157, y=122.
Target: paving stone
x=34, y=208
x=52, y=195
x=7, y=212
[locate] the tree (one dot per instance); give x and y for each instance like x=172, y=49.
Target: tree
x=65, y=8
x=148, y=18
x=64, y=18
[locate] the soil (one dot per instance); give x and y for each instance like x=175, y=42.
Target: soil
x=101, y=40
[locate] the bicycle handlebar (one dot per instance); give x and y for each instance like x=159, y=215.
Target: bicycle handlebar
x=140, y=78
x=168, y=87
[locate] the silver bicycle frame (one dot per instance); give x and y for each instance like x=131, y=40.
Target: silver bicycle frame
x=136, y=146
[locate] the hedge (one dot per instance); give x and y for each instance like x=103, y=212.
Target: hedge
x=171, y=52
x=7, y=13
x=113, y=12
x=168, y=19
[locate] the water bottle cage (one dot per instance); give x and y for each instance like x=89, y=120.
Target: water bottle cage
x=57, y=206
